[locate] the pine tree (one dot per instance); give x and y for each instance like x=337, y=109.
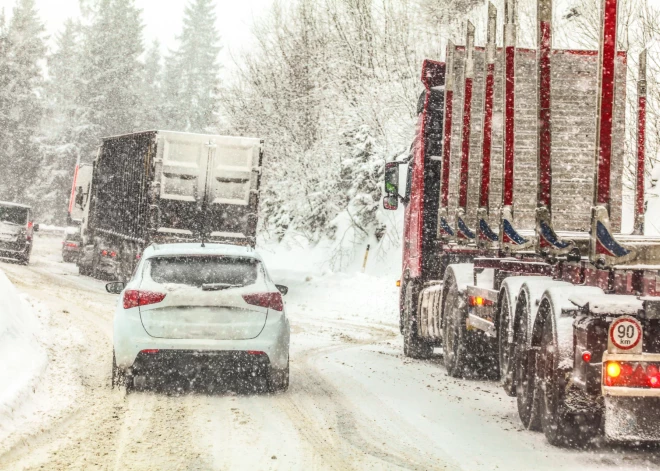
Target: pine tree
x=151, y=89
x=23, y=48
x=61, y=146
x=191, y=77
x=110, y=99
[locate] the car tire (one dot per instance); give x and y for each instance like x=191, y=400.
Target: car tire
x=117, y=374
x=278, y=380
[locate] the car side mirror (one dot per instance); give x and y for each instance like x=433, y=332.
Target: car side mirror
x=116, y=287
x=35, y=228
x=282, y=289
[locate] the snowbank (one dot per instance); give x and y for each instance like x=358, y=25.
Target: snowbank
x=22, y=357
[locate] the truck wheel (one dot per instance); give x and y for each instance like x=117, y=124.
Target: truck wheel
x=525, y=373
x=413, y=346
x=561, y=425
x=455, y=337
x=506, y=349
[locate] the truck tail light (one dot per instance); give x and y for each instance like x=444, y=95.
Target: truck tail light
x=479, y=301
x=267, y=300
x=632, y=374
x=135, y=298
x=104, y=253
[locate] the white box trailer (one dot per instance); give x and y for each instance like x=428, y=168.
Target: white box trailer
x=164, y=186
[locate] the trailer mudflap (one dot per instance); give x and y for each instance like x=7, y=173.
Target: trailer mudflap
x=631, y=413
x=629, y=418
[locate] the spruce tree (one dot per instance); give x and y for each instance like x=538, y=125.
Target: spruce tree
x=151, y=89
x=110, y=99
x=22, y=49
x=191, y=77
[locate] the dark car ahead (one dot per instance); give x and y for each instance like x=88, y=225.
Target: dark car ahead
x=16, y=231
x=71, y=244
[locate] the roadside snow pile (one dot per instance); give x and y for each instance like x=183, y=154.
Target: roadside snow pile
x=316, y=292
x=22, y=357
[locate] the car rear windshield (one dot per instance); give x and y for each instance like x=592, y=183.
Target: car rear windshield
x=198, y=271
x=13, y=215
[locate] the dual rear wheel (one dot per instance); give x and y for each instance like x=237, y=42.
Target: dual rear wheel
x=545, y=398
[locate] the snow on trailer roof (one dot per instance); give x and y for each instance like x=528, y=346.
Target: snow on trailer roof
x=188, y=248
x=15, y=205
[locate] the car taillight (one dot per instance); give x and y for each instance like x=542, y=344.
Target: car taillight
x=30, y=225
x=632, y=374
x=113, y=254
x=135, y=298
x=479, y=301
x=104, y=253
x=268, y=300
x=70, y=244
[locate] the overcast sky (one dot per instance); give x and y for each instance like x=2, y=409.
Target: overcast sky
x=163, y=19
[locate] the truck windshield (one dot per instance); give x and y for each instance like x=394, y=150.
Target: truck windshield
x=13, y=215
x=198, y=271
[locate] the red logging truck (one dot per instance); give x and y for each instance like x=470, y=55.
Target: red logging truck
x=566, y=313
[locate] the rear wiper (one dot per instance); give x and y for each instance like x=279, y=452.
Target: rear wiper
x=217, y=286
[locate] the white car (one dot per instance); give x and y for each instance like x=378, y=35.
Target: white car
x=192, y=310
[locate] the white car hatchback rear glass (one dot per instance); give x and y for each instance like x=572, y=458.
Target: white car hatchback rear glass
x=199, y=271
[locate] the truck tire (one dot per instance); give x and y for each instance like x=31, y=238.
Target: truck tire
x=562, y=425
x=506, y=349
x=525, y=371
x=413, y=345
x=456, y=342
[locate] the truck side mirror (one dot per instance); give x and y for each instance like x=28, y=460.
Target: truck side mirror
x=391, y=199
x=391, y=202
x=392, y=178
x=35, y=228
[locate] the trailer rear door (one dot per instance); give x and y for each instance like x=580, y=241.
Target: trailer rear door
x=209, y=185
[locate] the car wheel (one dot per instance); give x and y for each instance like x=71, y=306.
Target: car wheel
x=117, y=374
x=278, y=380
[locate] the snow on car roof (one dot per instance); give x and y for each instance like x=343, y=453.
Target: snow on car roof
x=165, y=250
x=17, y=205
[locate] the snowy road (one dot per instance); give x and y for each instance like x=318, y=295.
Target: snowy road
x=354, y=401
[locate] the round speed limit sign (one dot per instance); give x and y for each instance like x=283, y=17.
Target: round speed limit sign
x=625, y=333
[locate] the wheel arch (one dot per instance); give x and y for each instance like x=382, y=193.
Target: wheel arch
x=553, y=302
x=462, y=275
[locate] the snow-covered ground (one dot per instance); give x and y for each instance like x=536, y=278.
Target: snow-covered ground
x=354, y=402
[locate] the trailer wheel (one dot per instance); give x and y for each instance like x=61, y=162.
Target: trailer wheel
x=525, y=371
x=455, y=337
x=506, y=348
x=413, y=345
x=562, y=426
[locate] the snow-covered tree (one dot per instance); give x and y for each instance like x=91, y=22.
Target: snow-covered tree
x=22, y=52
x=191, y=76
x=110, y=101
x=152, y=97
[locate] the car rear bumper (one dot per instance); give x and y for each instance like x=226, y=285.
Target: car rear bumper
x=13, y=251
x=191, y=363
x=130, y=339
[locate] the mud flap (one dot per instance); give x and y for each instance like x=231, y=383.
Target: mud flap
x=632, y=418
